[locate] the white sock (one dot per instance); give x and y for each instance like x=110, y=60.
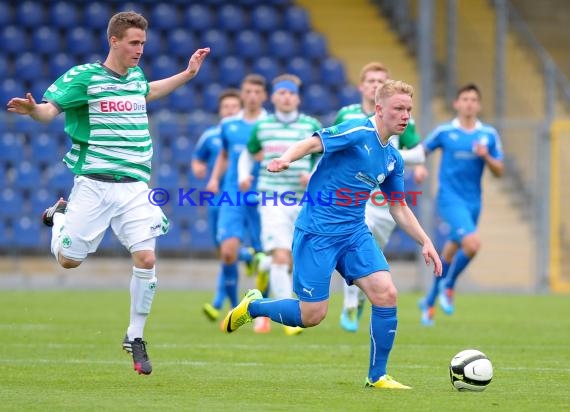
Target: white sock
x=280, y=281
x=350, y=296
x=58, y=222
x=143, y=286
x=265, y=263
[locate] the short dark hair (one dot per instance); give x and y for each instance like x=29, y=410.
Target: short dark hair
x=256, y=79
x=120, y=22
x=469, y=87
x=229, y=93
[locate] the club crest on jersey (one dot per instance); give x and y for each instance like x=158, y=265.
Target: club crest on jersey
x=380, y=178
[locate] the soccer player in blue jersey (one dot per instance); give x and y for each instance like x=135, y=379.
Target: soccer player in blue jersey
x=331, y=233
x=235, y=215
x=467, y=146
x=203, y=161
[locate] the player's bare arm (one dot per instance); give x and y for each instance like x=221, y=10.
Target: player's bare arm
x=405, y=218
x=163, y=87
x=295, y=152
x=219, y=169
x=42, y=112
x=496, y=166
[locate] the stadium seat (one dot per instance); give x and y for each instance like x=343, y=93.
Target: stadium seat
x=167, y=178
x=316, y=100
x=164, y=16
x=44, y=149
x=81, y=42
x=231, y=71
x=136, y=6
x=282, y=45
x=314, y=46
x=210, y=95
x=217, y=41
x=348, y=94
x=174, y=240
x=4, y=70
x=198, y=121
x=13, y=39
x=200, y=236
x=206, y=75
x=266, y=67
x=59, y=64
x=164, y=66
x=301, y=67
x=59, y=179
x=40, y=199
x=46, y=40
x=97, y=15
x=39, y=87
x=12, y=201
x=332, y=72
x=5, y=240
x=265, y=19
x=28, y=175
x=180, y=43
x=297, y=20
x=198, y=18
x=182, y=148
x=27, y=125
x=5, y=14
x=27, y=234
x=153, y=46
x=183, y=99
x=249, y=44
x=30, y=14
x=63, y=15
x=11, y=88
x=231, y=18
x=28, y=66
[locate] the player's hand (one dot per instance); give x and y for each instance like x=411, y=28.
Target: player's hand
x=213, y=186
x=420, y=174
x=305, y=177
x=244, y=185
x=481, y=150
x=278, y=165
x=22, y=105
x=196, y=61
x=430, y=256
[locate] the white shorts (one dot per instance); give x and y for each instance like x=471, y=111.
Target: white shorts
x=380, y=222
x=93, y=206
x=278, y=225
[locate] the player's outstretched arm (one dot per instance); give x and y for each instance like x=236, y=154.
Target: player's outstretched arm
x=43, y=112
x=163, y=87
x=295, y=152
x=406, y=219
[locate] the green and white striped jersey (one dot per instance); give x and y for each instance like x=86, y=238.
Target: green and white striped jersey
x=274, y=137
x=105, y=115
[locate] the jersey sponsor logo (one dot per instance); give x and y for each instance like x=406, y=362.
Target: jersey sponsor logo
x=52, y=88
x=364, y=178
x=108, y=106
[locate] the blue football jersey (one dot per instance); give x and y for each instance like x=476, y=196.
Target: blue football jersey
x=461, y=169
x=235, y=133
x=208, y=147
x=354, y=164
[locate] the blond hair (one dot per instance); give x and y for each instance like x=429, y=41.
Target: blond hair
x=373, y=67
x=392, y=87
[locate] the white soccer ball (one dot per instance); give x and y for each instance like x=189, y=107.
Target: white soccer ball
x=470, y=370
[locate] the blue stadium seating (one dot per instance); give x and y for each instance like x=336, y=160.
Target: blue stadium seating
x=5, y=238
x=231, y=18
x=182, y=148
x=249, y=44
x=282, y=44
x=11, y=149
x=297, y=20
x=12, y=201
x=181, y=43
x=59, y=179
x=267, y=67
x=5, y=14
x=97, y=15
x=63, y=15
x=210, y=96
x=200, y=236
x=301, y=67
x=27, y=234
x=217, y=41
x=44, y=148
x=28, y=176
x=59, y=64
x=183, y=99
x=81, y=42
x=40, y=199
x=314, y=46
x=265, y=18
x=13, y=39
x=164, y=66
x=348, y=94
x=38, y=88
x=46, y=40
x=29, y=66
x=30, y=14
x=153, y=46
x=164, y=16
x=4, y=70
x=198, y=17
x=332, y=72
x=317, y=99
x=232, y=71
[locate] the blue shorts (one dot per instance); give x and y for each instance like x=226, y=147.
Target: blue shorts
x=461, y=218
x=315, y=257
x=242, y=222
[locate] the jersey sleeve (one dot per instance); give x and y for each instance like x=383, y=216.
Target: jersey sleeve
x=253, y=144
x=70, y=89
x=410, y=138
x=339, y=137
x=201, y=151
x=496, y=147
x=433, y=141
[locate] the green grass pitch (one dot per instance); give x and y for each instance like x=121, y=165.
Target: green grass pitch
x=60, y=350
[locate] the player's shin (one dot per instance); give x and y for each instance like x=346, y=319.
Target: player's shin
x=284, y=311
x=383, y=325
x=143, y=288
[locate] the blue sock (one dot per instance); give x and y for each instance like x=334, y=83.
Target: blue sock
x=285, y=311
x=230, y=275
x=245, y=255
x=434, y=291
x=383, y=325
x=220, y=295
x=458, y=264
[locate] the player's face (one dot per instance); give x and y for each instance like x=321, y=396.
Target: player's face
x=229, y=106
x=467, y=104
x=285, y=101
x=372, y=80
x=395, y=113
x=129, y=49
x=253, y=96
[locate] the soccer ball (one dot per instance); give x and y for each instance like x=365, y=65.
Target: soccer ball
x=470, y=370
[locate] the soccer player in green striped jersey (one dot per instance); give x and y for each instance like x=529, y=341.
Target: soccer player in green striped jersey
x=280, y=192
x=378, y=218
x=106, y=118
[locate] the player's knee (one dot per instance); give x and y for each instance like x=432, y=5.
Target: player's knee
x=471, y=245
x=386, y=297
x=145, y=261
x=313, y=316
x=68, y=263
